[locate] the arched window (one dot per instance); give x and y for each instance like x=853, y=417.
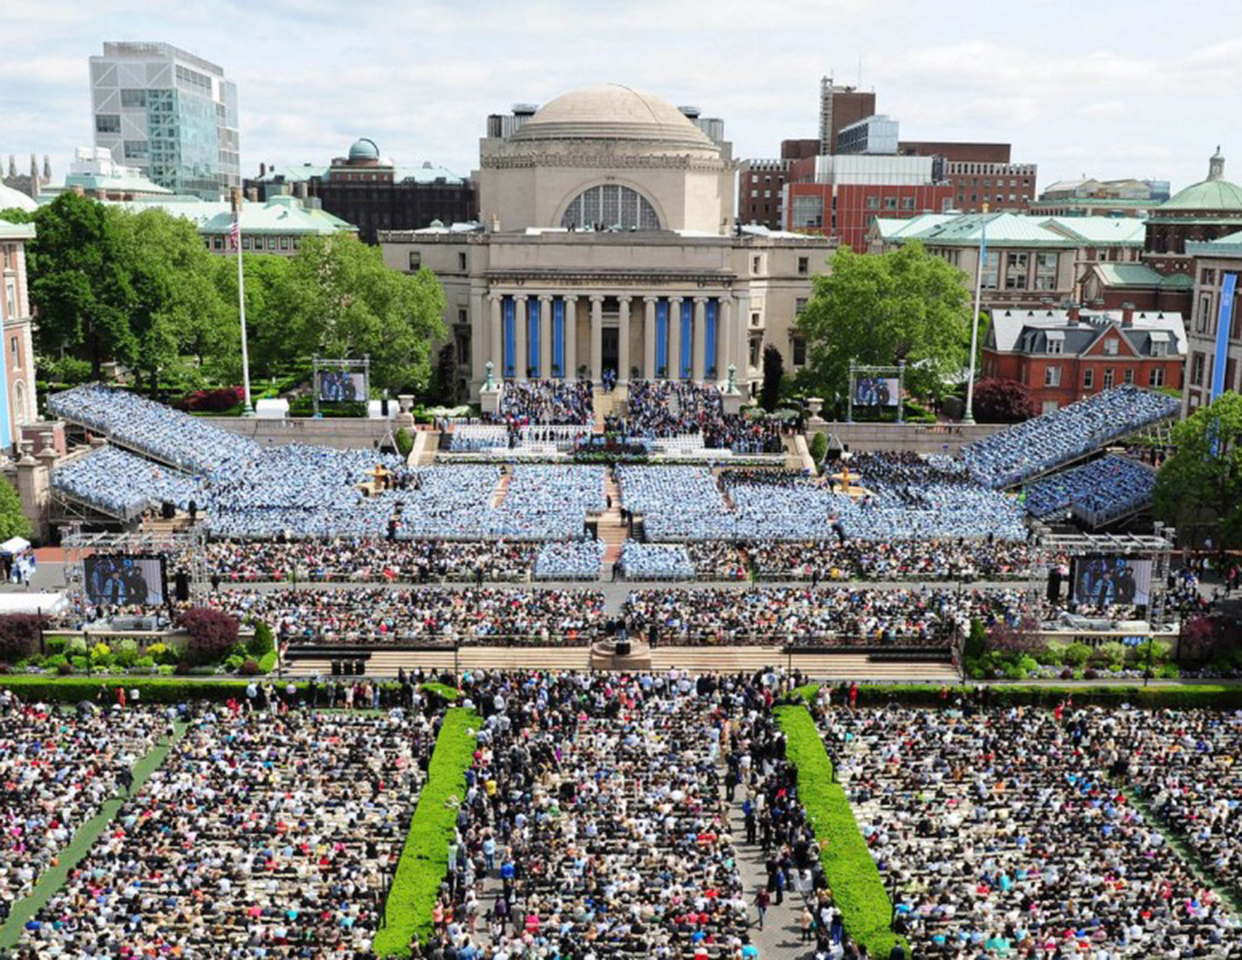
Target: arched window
x=610, y=206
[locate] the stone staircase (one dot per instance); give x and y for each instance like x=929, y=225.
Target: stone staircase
x=178, y=524
x=384, y=663
x=611, y=530
x=502, y=489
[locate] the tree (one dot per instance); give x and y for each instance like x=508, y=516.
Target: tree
x=444, y=378
x=1206, y=472
x=345, y=302
x=1003, y=401
x=773, y=374
x=901, y=305
x=19, y=635
x=13, y=522
x=213, y=634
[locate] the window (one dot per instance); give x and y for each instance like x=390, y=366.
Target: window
x=1159, y=348
x=799, y=306
x=611, y=206
x=799, y=352
x=108, y=123
x=1052, y=376
x=907, y=203
x=1016, y=261
x=463, y=317
x=1045, y=282
x=1108, y=378
x=133, y=98
x=756, y=264
x=461, y=262
x=807, y=213
x=1156, y=377
x=756, y=346
x=1205, y=311
x=10, y=299
x=1088, y=379
x=1209, y=276
x=991, y=266
x=890, y=203
x=284, y=243
x=1110, y=347
x=13, y=350
x=1049, y=406
x=1015, y=281
x=754, y=319
x=1196, y=370
x=416, y=259
x=804, y=265
x=137, y=149
x=218, y=243
x=1055, y=345
x=1128, y=376
x=1046, y=261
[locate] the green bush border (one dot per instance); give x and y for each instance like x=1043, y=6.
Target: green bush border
x=424, y=858
x=1179, y=696
x=857, y=889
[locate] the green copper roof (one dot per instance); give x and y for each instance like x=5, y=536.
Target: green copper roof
x=1101, y=231
x=16, y=231
x=1207, y=195
x=966, y=230
x=1139, y=275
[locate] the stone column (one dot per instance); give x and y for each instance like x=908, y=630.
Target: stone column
x=479, y=344
x=698, y=339
x=623, y=344
x=571, y=338
x=545, y=336
x=649, y=337
x=597, y=338
x=674, y=337
x=741, y=341
x=724, y=338
x=497, y=340
x=519, y=336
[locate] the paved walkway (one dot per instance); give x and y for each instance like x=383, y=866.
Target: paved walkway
x=54, y=877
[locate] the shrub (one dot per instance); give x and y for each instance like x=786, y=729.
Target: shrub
x=233, y=663
x=249, y=669
x=262, y=642
x=1090, y=674
x=213, y=401
x=1002, y=401
x=126, y=652
x=405, y=443
x=64, y=669
x=55, y=644
x=1112, y=653
x=1067, y=674
x=76, y=646
x=101, y=655
x=165, y=670
x=1053, y=655
x=819, y=448
x=1028, y=664
x=268, y=662
x=54, y=661
x=1077, y=654
x=80, y=663
x=146, y=663
x=977, y=639
x=19, y=635
x=212, y=634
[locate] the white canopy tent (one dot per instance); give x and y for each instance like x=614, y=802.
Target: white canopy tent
x=14, y=545
x=51, y=602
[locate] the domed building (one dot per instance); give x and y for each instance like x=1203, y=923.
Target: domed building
x=607, y=243
x=1198, y=214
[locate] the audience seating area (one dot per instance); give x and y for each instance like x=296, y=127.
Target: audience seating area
x=1096, y=492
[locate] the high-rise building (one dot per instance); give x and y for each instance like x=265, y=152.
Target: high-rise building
x=839, y=107
x=168, y=113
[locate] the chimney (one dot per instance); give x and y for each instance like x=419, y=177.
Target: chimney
x=299, y=190
x=77, y=188
x=252, y=194
x=262, y=169
x=1072, y=313
x=47, y=169
x=12, y=165
x=1127, y=314
x=34, y=169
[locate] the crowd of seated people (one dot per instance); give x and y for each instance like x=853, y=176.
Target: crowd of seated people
x=122, y=483
x=259, y=835
x=569, y=560
x=674, y=408
x=594, y=809
x=368, y=560
x=561, y=402
x=717, y=560
x=1038, y=445
x=58, y=768
x=1102, y=489
x=434, y=615
x=1007, y=832
x=892, y=560
x=810, y=617
x=656, y=561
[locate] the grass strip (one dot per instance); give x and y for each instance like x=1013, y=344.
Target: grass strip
x=857, y=889
x=79, y=845
x=424, y=859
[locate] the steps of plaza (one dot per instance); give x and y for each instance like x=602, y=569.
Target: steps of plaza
x=841, y=666
x=611, y=530
x=501, y=491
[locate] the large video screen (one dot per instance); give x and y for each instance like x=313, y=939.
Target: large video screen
x=876, y=392
x=1102, y=581
x=124, y=579
x=337, y=386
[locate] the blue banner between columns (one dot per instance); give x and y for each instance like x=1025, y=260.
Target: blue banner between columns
x=661, y=358
x=509, y=367
x=710, y=367
x=558, y=337
x=532, y=335
x=687, y=341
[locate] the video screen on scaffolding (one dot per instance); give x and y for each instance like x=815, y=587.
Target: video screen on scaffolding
x=1103, y=580
x=341, y=386
x=876, y=392
x=124, y=579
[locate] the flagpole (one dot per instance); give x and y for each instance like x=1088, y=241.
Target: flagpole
x=974, y=321
x=247, y=408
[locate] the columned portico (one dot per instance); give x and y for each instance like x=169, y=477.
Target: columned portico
x=700, y=338
x=597, y=338
x=571, y=338
x=545, y=336
x=521, y=316
x=675, y=307
x=649, y=337
x=623, y=346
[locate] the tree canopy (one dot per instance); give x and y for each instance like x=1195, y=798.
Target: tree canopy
x=879, y=309
x=773, y=374
x=13, y=522
x=1205, y=474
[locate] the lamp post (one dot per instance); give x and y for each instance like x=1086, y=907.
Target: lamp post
x=969, y=416
x=248, y=408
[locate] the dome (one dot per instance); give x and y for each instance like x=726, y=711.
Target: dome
x=613, y=112
x=364, y=149
x=1208, y=195
x=10, y=198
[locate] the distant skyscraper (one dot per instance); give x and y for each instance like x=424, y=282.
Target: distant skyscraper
x=170, y=114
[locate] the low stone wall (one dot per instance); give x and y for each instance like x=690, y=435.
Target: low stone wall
x=916, y=437
x=344, y=433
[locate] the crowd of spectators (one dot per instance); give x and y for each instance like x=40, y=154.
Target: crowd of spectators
x=569, y=560
x=1099, y=490
x=933, y=559
x=434, y=615
x=259, y=835
x=1040, y=444
x=811, y=617
x=369, y=560
x=656, y=561
x=1007, y=832
x=123, y=484
x=664, y=409
x=561, y=402
x=717, y=560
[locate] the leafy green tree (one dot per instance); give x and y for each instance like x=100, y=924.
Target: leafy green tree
x=904, y=304
x=345, y=302
x=1203, y=480
x=773, y=374
x=13, y=522
x=443, y=389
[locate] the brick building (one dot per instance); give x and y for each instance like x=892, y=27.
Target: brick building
x=840, y=106
x=17, y=393
x=1066, y=355
x=1214, y=261
x=979, y=173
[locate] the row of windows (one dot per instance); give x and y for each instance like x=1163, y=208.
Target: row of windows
x=416, y=261
x=1155, y=378
x=272, y=243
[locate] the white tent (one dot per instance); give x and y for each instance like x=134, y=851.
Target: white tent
x=14, y=545
x=51, y=602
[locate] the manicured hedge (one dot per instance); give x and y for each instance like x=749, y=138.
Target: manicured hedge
x=853, y=876
x=443, y=689
x=151, y=689
x=424, y=859
x=1176, y=696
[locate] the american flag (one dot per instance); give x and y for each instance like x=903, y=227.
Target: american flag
x=235, y=233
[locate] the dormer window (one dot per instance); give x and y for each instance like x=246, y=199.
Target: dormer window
x=1110, y=346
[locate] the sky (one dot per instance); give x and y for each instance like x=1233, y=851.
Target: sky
x=1108, y=89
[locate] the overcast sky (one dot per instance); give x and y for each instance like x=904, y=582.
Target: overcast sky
x=1109, y=89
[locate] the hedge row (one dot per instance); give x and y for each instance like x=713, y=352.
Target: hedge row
x=424, y=859
x=152, y=689
x=857, y=889
x=1180, y=696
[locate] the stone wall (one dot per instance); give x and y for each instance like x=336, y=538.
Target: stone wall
x=340, y=432
x=920, y=438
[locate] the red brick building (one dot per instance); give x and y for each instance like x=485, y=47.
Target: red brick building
x=1066, y=355
x=846, y=211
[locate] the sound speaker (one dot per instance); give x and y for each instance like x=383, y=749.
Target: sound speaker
x=168, y=510
x=1054, y=585
x=623, y=648
x=181, y=588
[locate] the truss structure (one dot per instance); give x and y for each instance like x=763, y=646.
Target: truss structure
x=185, y=552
